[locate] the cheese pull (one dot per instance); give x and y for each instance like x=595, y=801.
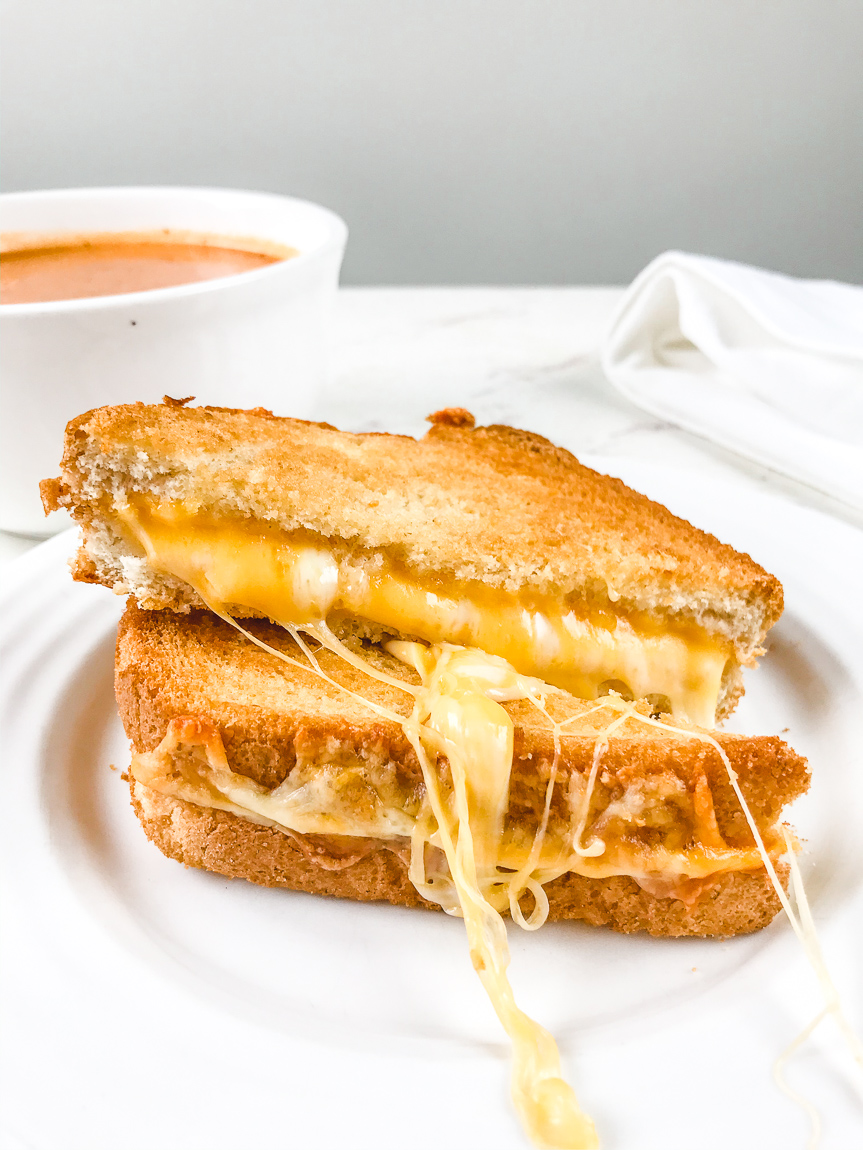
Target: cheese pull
x=455, y=717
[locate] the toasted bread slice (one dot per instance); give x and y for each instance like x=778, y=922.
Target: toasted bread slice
x=493, y=504
x=497, y=520
x=196, y=679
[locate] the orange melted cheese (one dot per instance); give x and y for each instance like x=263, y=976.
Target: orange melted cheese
x=288, y=579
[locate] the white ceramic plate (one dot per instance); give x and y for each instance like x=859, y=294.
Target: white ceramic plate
x=149, y=1007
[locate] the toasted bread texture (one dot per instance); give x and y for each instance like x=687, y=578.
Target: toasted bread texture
x=275, y=718
x=490, y=504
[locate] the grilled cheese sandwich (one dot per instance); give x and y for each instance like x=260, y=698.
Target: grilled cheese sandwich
x=470, y=574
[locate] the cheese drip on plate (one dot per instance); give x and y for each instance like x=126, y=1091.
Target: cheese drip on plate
x=458, y=715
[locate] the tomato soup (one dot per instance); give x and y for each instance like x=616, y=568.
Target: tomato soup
x=80, y=267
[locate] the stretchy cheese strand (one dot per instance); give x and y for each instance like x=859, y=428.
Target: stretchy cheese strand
x=802, y=925
x=832, y=1003
x=545, y=1102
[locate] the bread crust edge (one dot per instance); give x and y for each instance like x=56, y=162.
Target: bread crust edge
x=229, y=845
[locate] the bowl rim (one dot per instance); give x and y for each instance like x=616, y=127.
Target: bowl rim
x=337, y=239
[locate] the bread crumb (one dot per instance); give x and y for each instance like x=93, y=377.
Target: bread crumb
x=452, y=417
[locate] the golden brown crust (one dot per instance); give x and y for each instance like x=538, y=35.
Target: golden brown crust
x=228, y=845
x=492, y=503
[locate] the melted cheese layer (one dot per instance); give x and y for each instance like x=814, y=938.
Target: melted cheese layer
x=192, y=766
x=296, y=582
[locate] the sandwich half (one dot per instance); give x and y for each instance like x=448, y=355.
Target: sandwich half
x=487, y=537
x=258, y=768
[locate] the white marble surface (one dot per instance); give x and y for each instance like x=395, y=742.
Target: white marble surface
x=525, y=356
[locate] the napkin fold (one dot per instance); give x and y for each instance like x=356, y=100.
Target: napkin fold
x=764, y=364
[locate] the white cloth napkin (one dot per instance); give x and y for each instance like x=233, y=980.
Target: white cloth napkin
x=766, y=365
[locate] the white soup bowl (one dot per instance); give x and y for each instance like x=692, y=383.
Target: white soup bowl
x=254, y=339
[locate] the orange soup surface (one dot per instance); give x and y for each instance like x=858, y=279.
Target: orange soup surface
x=110, y=264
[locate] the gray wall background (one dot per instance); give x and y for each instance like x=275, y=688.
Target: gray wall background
x=468, y=141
